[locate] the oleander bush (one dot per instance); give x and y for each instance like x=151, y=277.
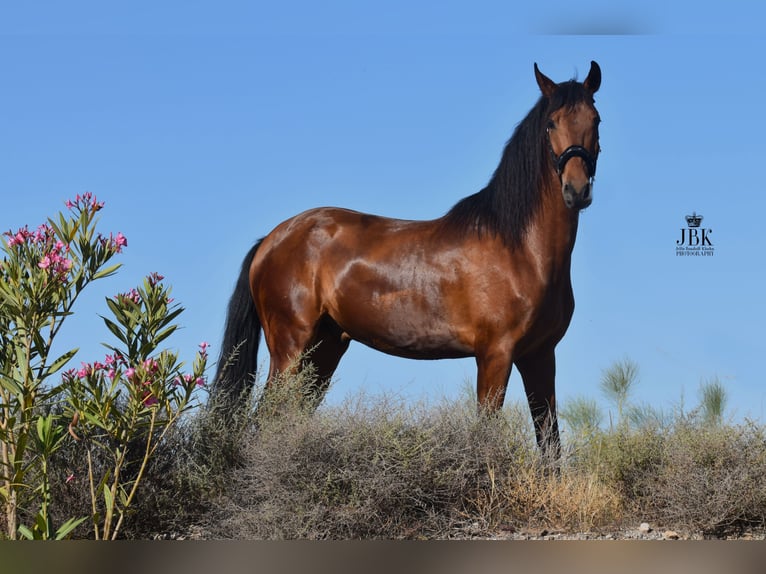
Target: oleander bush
x=87, y=432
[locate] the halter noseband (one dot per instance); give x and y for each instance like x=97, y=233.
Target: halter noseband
x=574, y=151
x=560, y=161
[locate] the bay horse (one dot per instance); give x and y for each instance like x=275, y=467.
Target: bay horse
x=490, y=279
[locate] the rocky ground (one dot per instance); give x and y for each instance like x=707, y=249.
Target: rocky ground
x=643, y=531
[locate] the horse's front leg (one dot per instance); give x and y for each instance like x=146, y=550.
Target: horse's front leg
x=494, y=369
x=538, y=372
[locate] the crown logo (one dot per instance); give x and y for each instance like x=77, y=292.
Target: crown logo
x=694, y=220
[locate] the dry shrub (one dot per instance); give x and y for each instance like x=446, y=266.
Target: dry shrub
x=381, y=469
x=624, y=458
x=370, y=469
x=687, y=474
x=711, y=479
x=568, y=501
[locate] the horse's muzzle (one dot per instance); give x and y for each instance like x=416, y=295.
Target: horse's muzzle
x=575, y=198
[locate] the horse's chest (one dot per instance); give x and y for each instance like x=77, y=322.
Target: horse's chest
x=550, y=315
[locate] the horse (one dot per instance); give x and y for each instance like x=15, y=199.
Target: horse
x=490, y=279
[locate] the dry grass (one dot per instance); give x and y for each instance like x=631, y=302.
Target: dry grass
x=377, y=468
x=567, y=501
x=711, y=479
x=380, y=468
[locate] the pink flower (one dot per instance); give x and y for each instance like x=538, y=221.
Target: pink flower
x=42, y=233
x=18, y=238
x=84, y=371
x=64, y=265
x=203, y=346
x=155, y=278
x=131, y=295
x=121, y=241
x=200, y=382
x=55, y=263
x=85, y=201
x=130, y=372
x=149, y=399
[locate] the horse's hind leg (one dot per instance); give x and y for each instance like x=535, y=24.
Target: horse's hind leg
x=331, y=343
x=292, y=347
x=288, y=342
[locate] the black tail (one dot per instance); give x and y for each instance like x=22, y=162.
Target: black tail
x=239, y=351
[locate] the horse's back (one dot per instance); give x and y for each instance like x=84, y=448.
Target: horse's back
x=334, y=229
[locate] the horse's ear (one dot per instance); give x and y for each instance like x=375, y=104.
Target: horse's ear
x=593, y=81
x=547, y=86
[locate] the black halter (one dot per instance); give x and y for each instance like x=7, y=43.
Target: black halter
x=560, y=161
x=574, y=151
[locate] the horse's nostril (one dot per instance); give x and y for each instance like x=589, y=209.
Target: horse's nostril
x=578, y=197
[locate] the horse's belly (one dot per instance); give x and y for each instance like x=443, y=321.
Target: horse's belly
x=405, y=327
x=419, y=347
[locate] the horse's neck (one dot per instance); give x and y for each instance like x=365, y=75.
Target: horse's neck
x=552, y=234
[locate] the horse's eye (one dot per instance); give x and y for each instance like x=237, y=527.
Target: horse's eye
x=551, y=125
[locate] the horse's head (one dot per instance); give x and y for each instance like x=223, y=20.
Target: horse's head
x=572, y=133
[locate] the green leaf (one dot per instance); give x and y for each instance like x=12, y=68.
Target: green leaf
x=60, y=362
x=66, y=228
x=123, y=494
x=10, y=385
x=108, y=498
x=115, y=308
x=26, y=532
x=39, y=347
x=115, y=329
x=49, y=436
x=66, y=529
x=42, y=526
x=109, y=271
x=22, y=361
x=173, y=314
x=162, y=335
x=44, y=427
x=94, y=419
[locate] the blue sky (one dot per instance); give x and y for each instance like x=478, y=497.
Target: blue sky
x=203, y=125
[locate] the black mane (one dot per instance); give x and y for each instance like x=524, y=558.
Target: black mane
x=506, y=205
